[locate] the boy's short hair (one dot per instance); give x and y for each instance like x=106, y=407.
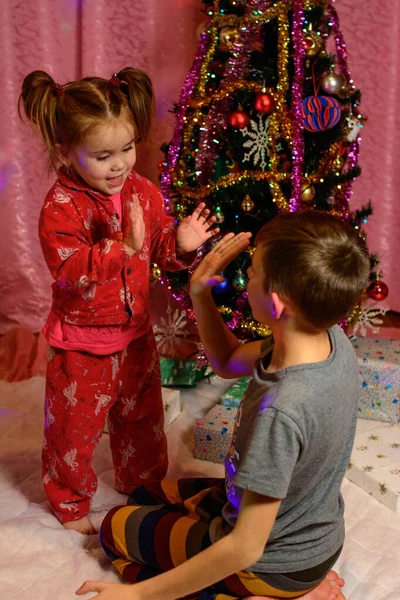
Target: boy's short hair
x=317, y=262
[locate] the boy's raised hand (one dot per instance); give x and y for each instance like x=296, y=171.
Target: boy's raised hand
x=194, y=230
x=208, y=272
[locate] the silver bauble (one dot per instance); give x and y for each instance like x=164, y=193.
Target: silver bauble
x=331, y=83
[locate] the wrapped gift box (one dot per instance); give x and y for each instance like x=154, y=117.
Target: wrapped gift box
x=183, y=373
x=213, y=433
x=379, y=368
x=234, y=395
x=375, y=462
x=172, y=406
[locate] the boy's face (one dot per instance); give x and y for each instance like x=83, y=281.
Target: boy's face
x=259, y=300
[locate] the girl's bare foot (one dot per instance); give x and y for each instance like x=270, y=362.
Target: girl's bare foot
x=328, y=589
x=83, y=525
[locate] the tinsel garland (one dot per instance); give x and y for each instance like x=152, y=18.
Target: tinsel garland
x=209, y=113
x=297, y=96
x=216, y=119
x=341, y=51
x=175, y=145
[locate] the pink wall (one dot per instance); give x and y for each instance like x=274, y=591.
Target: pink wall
x=372, y=33
x=73, y=38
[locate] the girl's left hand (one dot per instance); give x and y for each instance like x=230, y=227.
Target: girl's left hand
x=108, y=591
x=194, y=230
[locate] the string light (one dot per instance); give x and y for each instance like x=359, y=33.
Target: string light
x=202, y=116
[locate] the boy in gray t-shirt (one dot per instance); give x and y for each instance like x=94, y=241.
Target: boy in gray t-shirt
x=274, y=527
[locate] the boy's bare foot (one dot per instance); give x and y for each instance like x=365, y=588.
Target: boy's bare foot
x=83, y=525
x=328, y=589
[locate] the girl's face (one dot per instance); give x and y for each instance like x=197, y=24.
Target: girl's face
x=107, y=156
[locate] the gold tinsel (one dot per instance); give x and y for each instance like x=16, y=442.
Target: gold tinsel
x=280, y=122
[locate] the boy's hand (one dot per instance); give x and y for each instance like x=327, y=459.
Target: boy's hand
x=208, y=272
x=194, y=230
x=137, y=228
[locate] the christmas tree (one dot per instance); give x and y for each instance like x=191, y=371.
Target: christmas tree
x=268, y=120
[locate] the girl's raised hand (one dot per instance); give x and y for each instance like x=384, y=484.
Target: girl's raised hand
x=194, y=230
x=207, y=274
x=137, y=229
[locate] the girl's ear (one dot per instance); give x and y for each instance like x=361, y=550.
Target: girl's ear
x=277, y=307
x=62, y=155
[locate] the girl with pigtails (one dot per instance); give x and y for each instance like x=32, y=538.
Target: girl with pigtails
x=100, y=227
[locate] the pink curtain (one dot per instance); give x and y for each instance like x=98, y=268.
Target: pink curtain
x=74, y=38
x=71, y=39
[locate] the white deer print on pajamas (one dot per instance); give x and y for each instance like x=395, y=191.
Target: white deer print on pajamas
x=71, y=506
x=69, y=392
x=114, y=367
x=70, y=457
x=129, y=405
x=127, y=453
x=103, y=400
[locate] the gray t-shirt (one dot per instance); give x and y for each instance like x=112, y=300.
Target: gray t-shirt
x=292, y=439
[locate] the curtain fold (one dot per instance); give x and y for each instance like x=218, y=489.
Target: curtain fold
x=71, y=39
x=74, y=38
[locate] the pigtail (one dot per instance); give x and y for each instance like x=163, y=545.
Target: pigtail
x=39, y=98
x=140, y=97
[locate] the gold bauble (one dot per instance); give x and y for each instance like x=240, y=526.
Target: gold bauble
x=313, y=43
x=155, y=272
x=247, y=204
x=307, y=192
x=227, y=37
x=339, y=163
x=263, y=331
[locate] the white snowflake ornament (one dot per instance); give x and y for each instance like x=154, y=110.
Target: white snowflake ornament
x=257, y=142
x=369, y=321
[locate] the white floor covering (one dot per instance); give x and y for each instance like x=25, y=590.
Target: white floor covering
x=40, y=560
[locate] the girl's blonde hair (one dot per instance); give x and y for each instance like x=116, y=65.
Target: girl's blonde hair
x=66, y=115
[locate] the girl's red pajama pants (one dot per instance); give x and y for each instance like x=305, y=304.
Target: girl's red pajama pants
x=82, y=390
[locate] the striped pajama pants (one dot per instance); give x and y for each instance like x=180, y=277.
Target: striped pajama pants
x=165, y=524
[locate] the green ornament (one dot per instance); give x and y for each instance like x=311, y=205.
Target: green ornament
x=239, y=282
x=220, y=217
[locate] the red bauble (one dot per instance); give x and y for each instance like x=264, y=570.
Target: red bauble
x=161, y=165
x=264, y=103
x=378, y=290
x=239, y=119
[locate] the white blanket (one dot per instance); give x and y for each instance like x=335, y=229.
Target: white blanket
x=40, y=560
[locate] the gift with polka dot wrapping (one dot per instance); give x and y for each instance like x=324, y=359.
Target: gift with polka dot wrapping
x=379, y=369
x=213, y=434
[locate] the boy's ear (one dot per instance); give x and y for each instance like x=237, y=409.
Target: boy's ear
x=278, y=306
x=62, y=155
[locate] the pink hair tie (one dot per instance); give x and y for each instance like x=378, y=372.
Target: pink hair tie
x=115, y=81
x=59, y=90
